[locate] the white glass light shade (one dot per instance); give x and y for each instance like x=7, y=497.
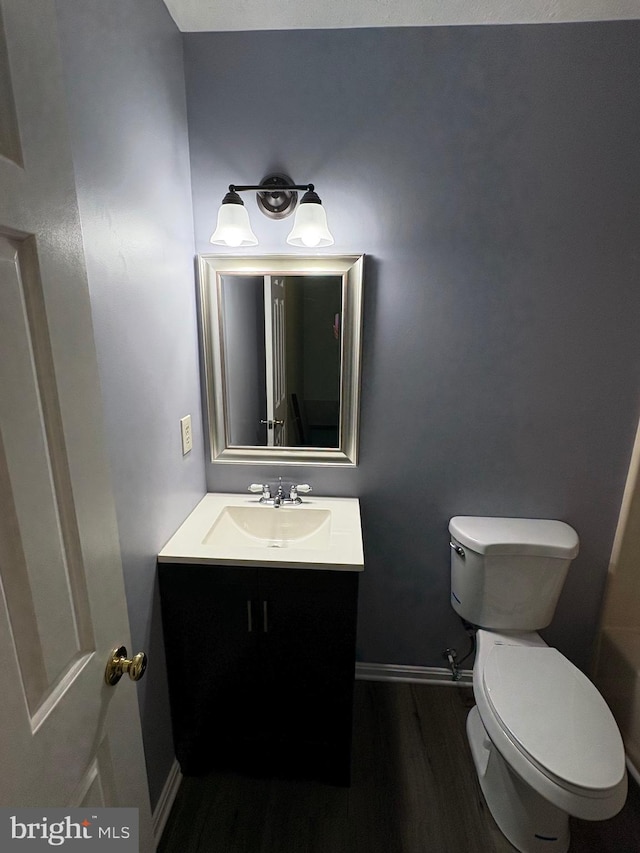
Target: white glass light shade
x=233, y=227
x=310, y=227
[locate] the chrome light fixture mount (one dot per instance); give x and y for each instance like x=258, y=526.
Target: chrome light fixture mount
x=277, y=198
x=280, y=200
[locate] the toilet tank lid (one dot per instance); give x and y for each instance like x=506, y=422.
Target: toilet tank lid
x=525, y=536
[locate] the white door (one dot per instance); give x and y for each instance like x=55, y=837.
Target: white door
x=275, y=346
x=66, y=738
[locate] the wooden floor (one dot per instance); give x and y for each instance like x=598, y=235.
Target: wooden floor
x=414, y=790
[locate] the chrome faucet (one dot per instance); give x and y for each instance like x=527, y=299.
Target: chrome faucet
x=280, y=496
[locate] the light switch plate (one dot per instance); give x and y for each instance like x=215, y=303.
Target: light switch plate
x=187, y=438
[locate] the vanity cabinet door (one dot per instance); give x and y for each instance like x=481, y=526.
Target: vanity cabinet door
x=260, y=667
x=307, y=654
x=211, y=640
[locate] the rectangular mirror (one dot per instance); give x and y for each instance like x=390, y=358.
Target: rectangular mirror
x=281, y=338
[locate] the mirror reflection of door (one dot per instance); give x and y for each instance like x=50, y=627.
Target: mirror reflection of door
x=282, y=341
x=276, y=375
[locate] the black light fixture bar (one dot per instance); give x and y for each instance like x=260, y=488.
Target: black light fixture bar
x=270, y=188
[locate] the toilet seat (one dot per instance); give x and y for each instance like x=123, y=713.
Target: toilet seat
x=555, y=717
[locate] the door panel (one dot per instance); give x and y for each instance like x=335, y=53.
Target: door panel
x=9, y=136
x=307, y=666
x=211, y=624
x=46, y=591
x=65, y=737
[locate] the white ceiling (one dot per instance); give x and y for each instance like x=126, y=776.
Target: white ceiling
x=217, y=15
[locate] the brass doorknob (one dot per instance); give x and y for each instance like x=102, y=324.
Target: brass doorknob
x=119, y=664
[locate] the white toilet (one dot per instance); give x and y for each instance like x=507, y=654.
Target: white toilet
x=544, y=742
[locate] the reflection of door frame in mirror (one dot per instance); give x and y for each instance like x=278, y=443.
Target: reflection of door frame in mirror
x=212, y=268
x=274, y=321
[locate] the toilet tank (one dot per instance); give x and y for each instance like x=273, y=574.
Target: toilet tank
x=507, y=573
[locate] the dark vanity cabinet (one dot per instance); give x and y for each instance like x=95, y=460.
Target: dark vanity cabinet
x=261, y=668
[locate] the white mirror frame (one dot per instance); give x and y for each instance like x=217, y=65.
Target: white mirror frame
x=211, y=269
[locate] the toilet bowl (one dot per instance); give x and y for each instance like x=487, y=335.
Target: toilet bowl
x=544, y=742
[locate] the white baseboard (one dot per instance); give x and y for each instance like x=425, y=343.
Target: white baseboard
x=413, y=674
x=163, y=806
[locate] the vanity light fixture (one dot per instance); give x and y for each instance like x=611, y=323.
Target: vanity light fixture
x=277, y=197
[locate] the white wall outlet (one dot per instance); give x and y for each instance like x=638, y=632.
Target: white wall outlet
x=187, y=438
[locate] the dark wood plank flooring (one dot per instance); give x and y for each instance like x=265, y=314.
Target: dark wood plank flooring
x=414, y=790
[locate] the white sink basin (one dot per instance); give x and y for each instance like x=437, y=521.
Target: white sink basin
x=231, y=529
x=264, y=526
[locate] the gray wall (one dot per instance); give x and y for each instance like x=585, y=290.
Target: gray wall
x=125, y=80
x=492, y=176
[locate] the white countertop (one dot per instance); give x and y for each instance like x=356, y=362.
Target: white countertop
x=194, y=542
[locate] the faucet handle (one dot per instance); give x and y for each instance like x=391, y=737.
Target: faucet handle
x=260, y=487
x=293, y=493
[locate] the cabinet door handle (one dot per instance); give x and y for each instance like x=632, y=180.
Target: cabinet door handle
x=265, y=616
x=249, y=616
